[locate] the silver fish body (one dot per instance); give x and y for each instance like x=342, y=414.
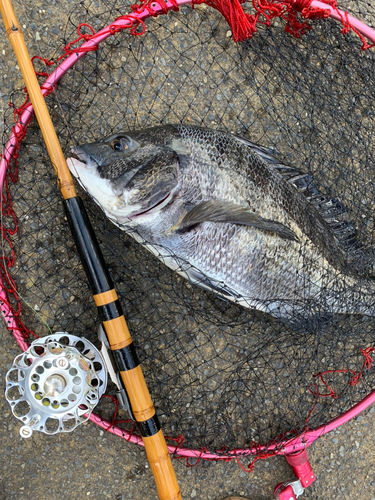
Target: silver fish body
x=227, y=215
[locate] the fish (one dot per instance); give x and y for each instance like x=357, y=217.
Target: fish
x=231, y=217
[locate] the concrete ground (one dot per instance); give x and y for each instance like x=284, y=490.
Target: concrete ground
x=90, y=463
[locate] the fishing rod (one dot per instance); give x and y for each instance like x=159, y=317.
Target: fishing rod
x=109, y=308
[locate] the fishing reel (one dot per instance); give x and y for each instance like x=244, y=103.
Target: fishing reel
x=54, y=385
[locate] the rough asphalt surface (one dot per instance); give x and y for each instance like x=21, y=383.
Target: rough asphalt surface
x=90, y=463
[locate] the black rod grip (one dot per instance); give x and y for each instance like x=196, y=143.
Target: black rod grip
x=87, y=245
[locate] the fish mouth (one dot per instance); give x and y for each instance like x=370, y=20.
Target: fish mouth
x=84, y=157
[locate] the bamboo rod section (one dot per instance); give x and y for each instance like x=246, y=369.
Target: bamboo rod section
x=15, y=36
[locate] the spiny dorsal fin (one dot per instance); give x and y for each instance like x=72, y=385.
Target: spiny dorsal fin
x=328, y=208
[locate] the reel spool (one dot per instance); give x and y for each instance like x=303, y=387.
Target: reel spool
x=54, y=385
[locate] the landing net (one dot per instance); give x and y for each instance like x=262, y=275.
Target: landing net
x=223, y=377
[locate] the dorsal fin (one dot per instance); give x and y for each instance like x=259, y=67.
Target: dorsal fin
x=329, y=208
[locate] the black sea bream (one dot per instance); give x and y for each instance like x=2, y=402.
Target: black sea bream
x=227, y=215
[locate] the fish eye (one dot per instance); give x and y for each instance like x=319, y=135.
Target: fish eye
x=121, y=143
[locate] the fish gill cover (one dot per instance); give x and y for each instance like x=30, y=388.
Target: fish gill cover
x=222, y=376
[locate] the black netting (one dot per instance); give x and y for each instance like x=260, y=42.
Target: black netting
x=220, y=374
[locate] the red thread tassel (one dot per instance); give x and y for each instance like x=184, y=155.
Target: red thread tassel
x=242, y=25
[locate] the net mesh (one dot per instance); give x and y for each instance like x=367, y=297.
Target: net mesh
x=221, y=375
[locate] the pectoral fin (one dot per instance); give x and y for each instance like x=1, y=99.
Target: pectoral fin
x=223, y=211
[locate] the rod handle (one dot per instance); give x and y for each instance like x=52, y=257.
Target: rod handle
x=162, y=468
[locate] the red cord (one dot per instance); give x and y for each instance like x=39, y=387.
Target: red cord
x=354, y=379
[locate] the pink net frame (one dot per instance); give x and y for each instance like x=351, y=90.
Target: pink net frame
x=25, y=115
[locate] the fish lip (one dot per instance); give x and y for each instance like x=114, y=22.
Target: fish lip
x=84, y=157
x=80, y=154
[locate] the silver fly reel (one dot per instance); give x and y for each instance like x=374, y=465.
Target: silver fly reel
x=54, y=386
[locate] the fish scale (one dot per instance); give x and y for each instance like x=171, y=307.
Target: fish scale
x=273, y=242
